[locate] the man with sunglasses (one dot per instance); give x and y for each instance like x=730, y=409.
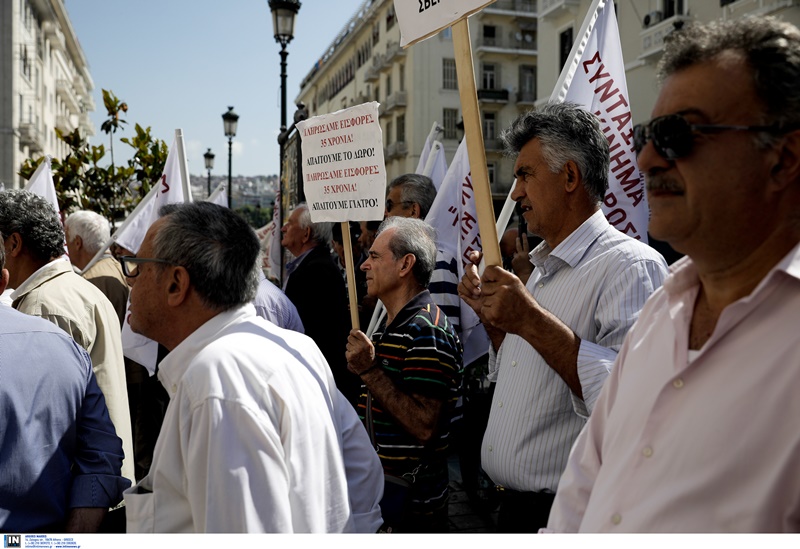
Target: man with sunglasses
x=695, y=430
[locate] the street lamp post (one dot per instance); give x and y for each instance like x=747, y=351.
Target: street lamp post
x=209, y=158
x=229, y=121
x=283, y=13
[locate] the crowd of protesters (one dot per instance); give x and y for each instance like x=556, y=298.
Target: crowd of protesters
x=628, y=395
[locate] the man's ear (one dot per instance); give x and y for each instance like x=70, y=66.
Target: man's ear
x=13, y=245
x=407, y=265
x=307, y=235
x=4, y=276
x=416, y=211
x=77, y=242
x=786, y=170
x=179, y=285
x=572, y=176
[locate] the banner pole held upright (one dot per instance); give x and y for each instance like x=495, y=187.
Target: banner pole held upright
x=351, y=274
x=473, y=133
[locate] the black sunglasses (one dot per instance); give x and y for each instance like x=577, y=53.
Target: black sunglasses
x=673, y=135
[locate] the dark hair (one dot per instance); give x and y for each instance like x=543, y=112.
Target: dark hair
x=771, y=48
x=415, y=189
x=336, y=232
x=2, y=253
x=36, y=221
x=216, y=246
x=566, y=131
x=413, y=236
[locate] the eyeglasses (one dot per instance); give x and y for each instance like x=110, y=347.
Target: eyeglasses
x=673, y=135
x=130, y=264
x=390, y=204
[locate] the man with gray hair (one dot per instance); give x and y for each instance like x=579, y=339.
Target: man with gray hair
x=411, y=371
x=46, y=286
x=86, y=233
x=253, y=438
x=696, y=428
x=555, y=338
x=315, y=286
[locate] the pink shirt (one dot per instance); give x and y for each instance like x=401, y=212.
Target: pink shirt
x=709, y=443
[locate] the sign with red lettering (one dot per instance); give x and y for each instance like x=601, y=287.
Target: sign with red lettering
x=595, y=79
x=421, y=19
x=344, y=176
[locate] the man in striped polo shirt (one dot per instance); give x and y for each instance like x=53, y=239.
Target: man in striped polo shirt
x=411, y=370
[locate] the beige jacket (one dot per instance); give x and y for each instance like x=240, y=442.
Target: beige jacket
x=57, y=294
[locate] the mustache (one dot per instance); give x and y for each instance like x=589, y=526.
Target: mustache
x=662, y=183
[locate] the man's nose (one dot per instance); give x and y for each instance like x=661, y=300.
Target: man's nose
x=519, y=190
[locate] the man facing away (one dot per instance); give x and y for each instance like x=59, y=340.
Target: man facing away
x=60, y=456
x=411, y=370
x=250, y=442
x=46, y=286
x=554, y=338
x=696, y=428
x=317, y=289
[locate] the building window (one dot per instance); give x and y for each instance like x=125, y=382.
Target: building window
x=447, y=34
x=401, y=128
x=389, y=133
x=527, y=83
x=489, y=35
x=449, y=77
x=489, y=76
x=388, y=85
x=377, y=93
x=491, y=169
x=565, y=47
x=402, y=70
x=390, y=18
x=673, y=8
x=489, y=126
x=376, y=33
x=449, y=121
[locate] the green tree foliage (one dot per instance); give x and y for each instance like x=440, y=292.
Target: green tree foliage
x=256, y=217
x=82, y=183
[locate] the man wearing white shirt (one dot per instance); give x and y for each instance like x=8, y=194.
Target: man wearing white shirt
x=555, y=338
x=250, y=441
x=696, y=428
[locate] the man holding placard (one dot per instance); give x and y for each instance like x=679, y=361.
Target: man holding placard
x=555, y=338
x=411, y=370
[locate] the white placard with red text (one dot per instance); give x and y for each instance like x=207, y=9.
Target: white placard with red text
x=421, y=19
x=344, y=176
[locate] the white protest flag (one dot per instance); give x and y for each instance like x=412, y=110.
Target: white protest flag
x=170, y=189
x=41, y=183
x=432, y=162
x=453, y=214
x=595, y=79
x=219, y=196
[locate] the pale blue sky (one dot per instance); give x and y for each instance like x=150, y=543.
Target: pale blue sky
x=180, y=63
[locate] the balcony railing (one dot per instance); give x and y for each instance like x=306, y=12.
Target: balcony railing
x=397, y=99
x=526, y=97
x=554, y=8
x=512, y=42
x=30, y=136
x=653, y=36
x=393, y=51
x=495, y=95
x=398, y=149
x=526, y=7
x=65, y=92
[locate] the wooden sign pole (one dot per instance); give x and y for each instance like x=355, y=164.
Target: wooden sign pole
x=351, y=274
x=473, y=133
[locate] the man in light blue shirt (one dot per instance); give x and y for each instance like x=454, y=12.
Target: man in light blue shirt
x=60, y=457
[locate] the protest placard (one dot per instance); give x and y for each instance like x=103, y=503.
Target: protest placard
x=424, y=18
x=344, y=176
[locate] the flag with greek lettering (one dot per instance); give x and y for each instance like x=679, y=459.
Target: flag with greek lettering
x=454, y=216
x=595, y=79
